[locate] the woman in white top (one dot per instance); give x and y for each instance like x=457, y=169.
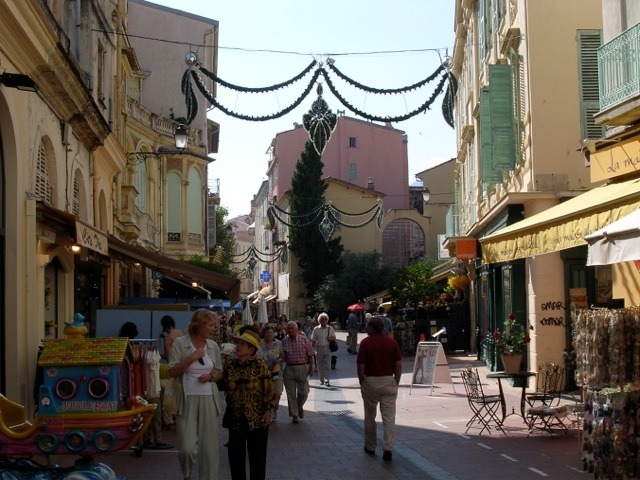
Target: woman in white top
x=195, y=360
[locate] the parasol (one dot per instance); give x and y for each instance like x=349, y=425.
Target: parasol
x=356, y=307
x=246, y=314
x=263, y=317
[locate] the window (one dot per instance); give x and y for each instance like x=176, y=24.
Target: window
x=353, y=171
x=43, y=185
x=140, y=182
x=174, y=208
x=497, y=125
x=195, y=204
x=352, y=142
x=588, y=43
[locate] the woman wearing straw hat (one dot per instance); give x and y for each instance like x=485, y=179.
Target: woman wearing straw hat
x=250, y=396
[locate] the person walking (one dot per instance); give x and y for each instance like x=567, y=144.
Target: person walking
x=320, y=338
x=299, y=356
x=379, y=370
x=273, y=356
x=168, y=395
x=388, y=326
x=195, y=360
x=352, y=330
x=250, y=396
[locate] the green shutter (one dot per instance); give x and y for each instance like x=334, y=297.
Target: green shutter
x=588, y=43
x=502, y=118
x=489, y=174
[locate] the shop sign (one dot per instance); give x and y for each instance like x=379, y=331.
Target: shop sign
x=466, y=249
x=622, y=159
x=89, y=237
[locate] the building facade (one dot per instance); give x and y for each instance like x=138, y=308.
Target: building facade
x=524, y=106
x=86, y=214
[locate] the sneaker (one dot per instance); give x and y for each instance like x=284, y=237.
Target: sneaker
x=295, y=420
x=387, y=455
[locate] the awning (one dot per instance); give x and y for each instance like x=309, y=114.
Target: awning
x=177, y=268
x=617, y=242
x=562, y=226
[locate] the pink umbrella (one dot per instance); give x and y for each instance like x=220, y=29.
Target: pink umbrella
x=356, y=307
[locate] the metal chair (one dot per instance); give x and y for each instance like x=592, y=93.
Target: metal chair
x=484, y=407
x=545, y=413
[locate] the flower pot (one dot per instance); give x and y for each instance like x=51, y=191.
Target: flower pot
x=511, y=363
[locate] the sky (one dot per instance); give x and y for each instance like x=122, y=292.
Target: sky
x=379, y=43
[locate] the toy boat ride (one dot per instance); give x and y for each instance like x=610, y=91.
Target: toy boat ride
x=85, y=402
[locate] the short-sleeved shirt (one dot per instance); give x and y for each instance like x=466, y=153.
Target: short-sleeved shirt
x=379, y=355
x=297, y=351
x=321, y=335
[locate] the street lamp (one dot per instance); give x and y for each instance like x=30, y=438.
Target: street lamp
x=19, y=81
x=181, y=137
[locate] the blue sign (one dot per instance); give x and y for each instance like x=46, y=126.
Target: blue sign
x=265, y=276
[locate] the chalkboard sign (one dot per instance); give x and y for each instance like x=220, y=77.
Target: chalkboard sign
x=430, y=365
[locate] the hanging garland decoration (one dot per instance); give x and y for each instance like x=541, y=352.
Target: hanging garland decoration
x=271, y=88
x=448, y=102
x=400, y=118
x=262, y=118
x=331, y=216
x=447, y=107
x=252, y=255
x=360, y=86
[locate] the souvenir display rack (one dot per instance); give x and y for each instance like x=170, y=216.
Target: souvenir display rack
x=607, y=346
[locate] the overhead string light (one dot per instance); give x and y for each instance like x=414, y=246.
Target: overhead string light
x=319, y=132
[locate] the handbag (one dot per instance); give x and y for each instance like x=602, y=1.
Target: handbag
x=333, y=345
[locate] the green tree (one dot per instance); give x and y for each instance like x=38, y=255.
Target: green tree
x=361, y=276
x=317, y=259
x=410, y=285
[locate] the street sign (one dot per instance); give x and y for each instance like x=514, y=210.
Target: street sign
x=265, y=276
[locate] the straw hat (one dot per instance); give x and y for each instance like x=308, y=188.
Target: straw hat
x=251, y=337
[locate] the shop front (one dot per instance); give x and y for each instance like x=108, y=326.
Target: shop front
x=537, y=267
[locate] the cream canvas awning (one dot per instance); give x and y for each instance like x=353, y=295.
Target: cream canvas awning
x=564, y=225
x=617, y=242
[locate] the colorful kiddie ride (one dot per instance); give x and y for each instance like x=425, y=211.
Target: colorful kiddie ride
x=85, y=407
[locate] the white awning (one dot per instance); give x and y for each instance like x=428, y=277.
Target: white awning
x=617, y=242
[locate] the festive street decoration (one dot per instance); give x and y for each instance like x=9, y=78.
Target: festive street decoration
x=319, y=123
x=331, y=216
x=252, y=255
x=319, y=131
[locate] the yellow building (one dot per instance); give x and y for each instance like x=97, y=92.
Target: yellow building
x=526, y=75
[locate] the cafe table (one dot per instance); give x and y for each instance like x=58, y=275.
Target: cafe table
x=520, y=375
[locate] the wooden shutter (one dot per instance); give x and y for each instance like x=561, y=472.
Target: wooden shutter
x=502, y=117
x=588, y=43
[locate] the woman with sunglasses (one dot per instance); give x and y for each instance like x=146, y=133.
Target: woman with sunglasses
x=195, y=360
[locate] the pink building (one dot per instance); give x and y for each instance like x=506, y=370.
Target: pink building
x=359, y=152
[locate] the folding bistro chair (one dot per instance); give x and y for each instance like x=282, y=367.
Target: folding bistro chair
x=545, y=414
x=484, y=407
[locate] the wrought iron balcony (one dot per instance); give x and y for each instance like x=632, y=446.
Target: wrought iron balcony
x=619, y=79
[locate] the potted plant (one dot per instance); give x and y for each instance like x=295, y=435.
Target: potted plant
x=511, y=343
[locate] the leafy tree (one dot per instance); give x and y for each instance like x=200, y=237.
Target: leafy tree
x=317, y=259
x=361, y=276
x=411, y=284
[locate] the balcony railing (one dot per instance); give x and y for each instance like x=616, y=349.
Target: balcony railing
x=619, y=68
